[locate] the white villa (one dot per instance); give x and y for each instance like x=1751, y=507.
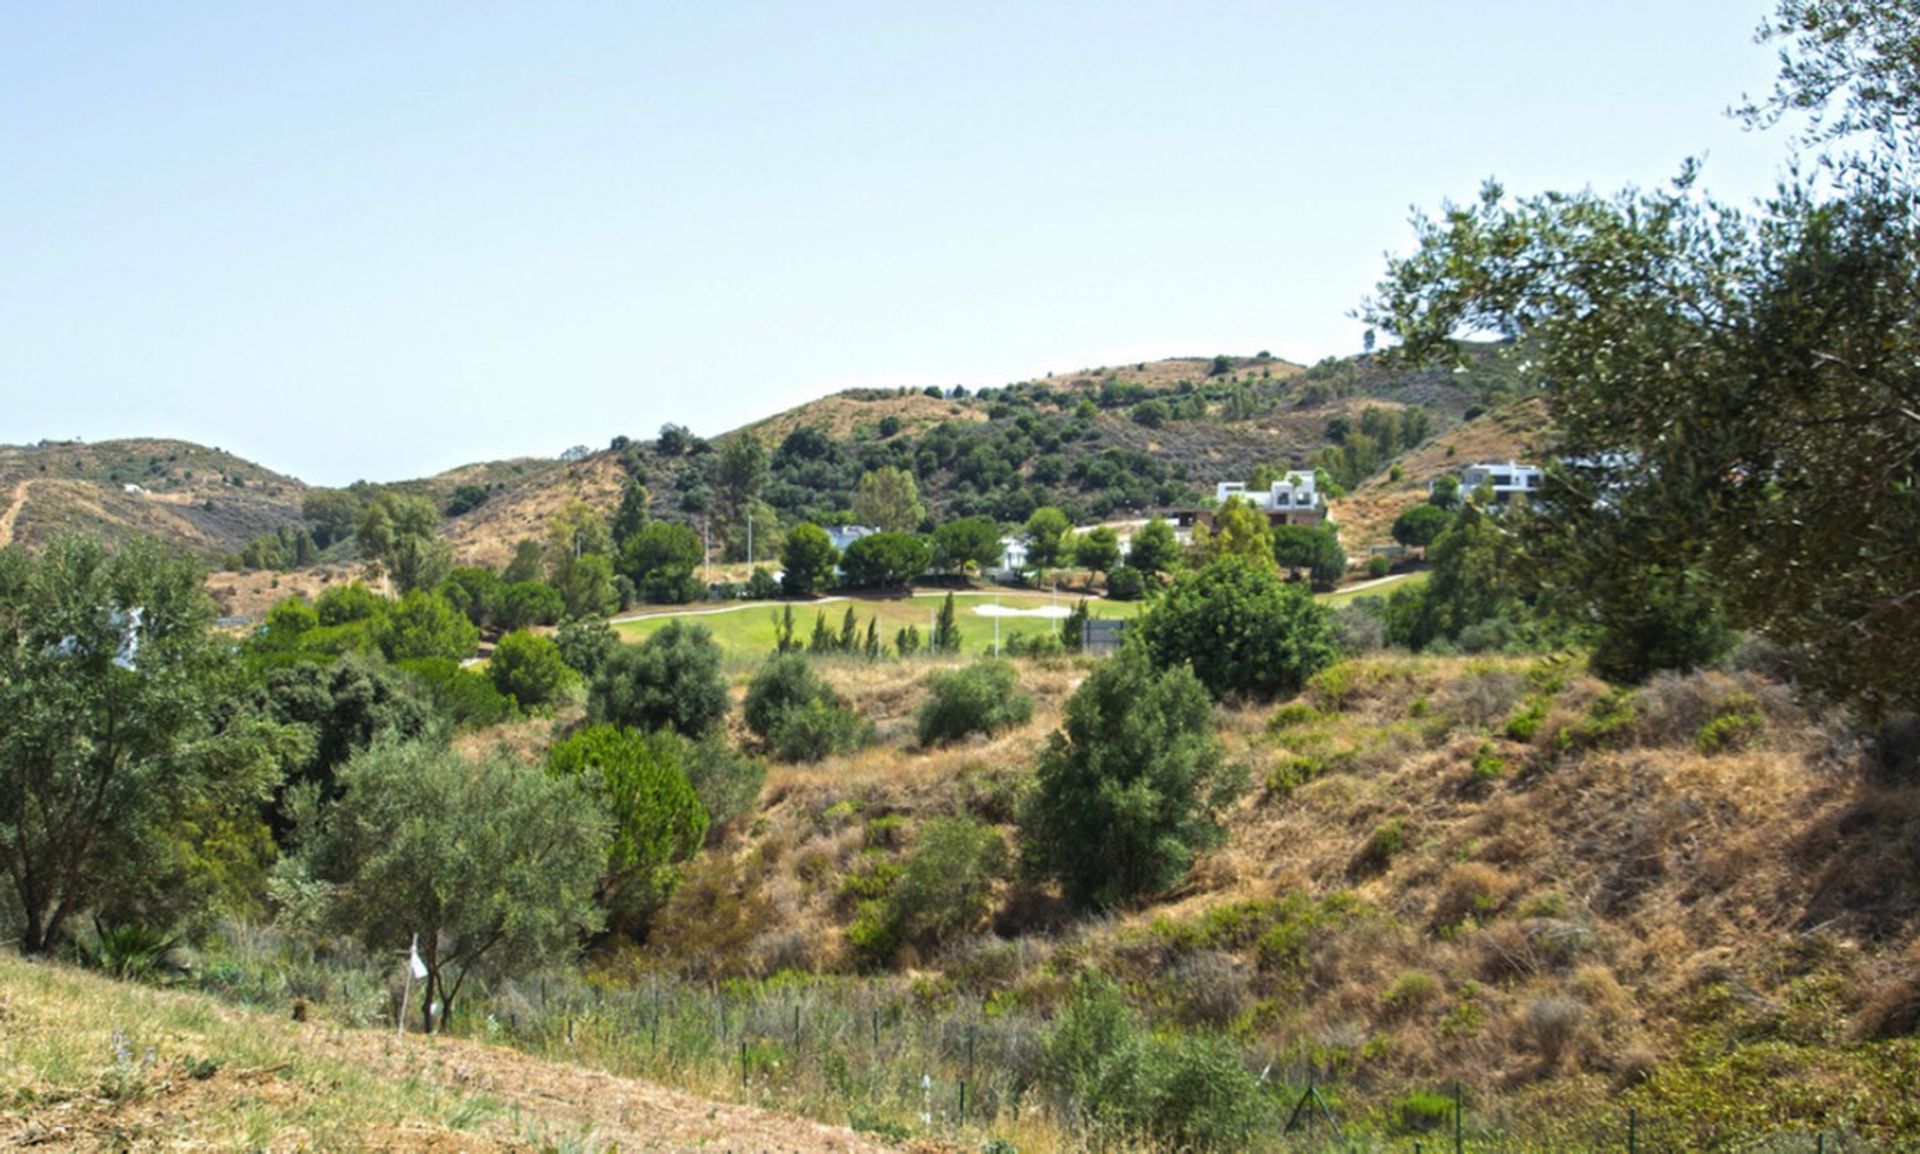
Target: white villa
x=1292, y=500
x=1506, y=480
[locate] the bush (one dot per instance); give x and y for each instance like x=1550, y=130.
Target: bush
x=785, y=683
x=817, y=730
x=525, y=603
x=727, y=781
x=671, y=679
x=943, y=890
x=1242, y=630
x=808, y=558
x=529, y=669
x=1127, y=792
x=467, y=697
x=761, y=586
x=1378, y=567
x=983, y=698
x=585, y=645
x=1125, y=583
x=885, y=559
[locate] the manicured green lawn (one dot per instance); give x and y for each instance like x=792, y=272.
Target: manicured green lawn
x=1384, y=589
x=749, y=630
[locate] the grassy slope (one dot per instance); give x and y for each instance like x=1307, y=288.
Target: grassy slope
x=748, y=631
x=90, y=1064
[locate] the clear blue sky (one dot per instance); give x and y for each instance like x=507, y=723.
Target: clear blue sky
x=380, y=240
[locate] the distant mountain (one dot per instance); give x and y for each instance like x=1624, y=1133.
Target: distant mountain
x=1101, y=443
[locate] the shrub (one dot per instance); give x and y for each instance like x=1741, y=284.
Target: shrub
x=808, y=558
x=1735, y=724
x=585, y=645
x=761, y=585
x=885, y=559
x=785, y=683
x=1422, y=1111
x=670, y=679
x=943, y=890
x=1128, y=790
x=727, y=781
x=467, y=697
x=1378, y=567
x=529, y=669
x=1241, y=629
x=1550, y=1025
x=1411, y=992
x=983, y=698
x=1387, y=839
x=1125, y=583
x=817, y=730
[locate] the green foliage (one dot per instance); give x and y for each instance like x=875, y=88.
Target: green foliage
x=491, y=863
x=1378, y=567
x=889, y=500
x=946, y=629
x=1151, y=414
x=985, y=697
x=817, y=730
x=672, y=679
x=530, y=669
x=639, y=783
x=422, y=624
x=1097, y=549
x=808, y=559
x=726, y=781
x=885, y=559
x=785, y=683
x=1154, y=549
x=967, y=541
x=760, y=584
x=1189, y=1093
x=1128, y=790
x=660, y=559
x=1125, y=583
x=464, y=697
x=108, y=684
x=943, y=890
x=475, y=592
x=340, y=710
x=525, y=603
x=740, y=472
x=586, y=645
x=344, y=604
x=1652, y=620
x=1313, y=549
x=1048, y=537
x=1241, y=629
x=1736, y=723
x=1239, y=530
x=1387, y=839
x=1419, y=525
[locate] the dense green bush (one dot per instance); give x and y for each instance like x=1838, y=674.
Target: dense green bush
x=585, y=645
x=671, y=679
x=466, y=697
x=1242, y=629
x=525, y=603
x=760, y=585
x=819, y=729
x=807, y=559
x=785, y=683
x=1127, y=792
x=984, y=698
x=529, y=668
x=942, y=892
x=1125, y=583
x=885, y=559
x=422, y=624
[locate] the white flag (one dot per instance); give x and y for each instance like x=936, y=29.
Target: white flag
x=414, y=963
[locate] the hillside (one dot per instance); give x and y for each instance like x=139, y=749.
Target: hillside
x=206, y=501
x=91, y=1064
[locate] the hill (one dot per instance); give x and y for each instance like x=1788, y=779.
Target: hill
x=91, y=1064
x=206, y=501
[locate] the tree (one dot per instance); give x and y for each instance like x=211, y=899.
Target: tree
x=885, y=559
x=1315, y=549
x=109, y=682
x=1733, y=390
x=1128, y=789
x=1097, y=549
x=808, y=560
x=787, y=682
x=398, y=529
x=529, y=668
x=1418, y=526
x=1154, y=549
x=660, y=560
x=341, y=710
x=586, y=586
x=525, y=603
x=422, y=624
x=889, y=500
x=1241, y=629
x=586, y=645
x=967, y=541
x=639, y=782
x=946, y=629
x=740, y=473
x=1047, y=537
x=473, y=591
x=631, y=516
x=492, y=863
x=1445, y=493
x=333, y=513
x=529, y=562
x=985, y=697
x=672, y=679
x=1240, y=530
x=1151, y=414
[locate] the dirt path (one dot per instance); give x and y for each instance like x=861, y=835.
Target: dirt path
x=14, y=505
x=620, y=1113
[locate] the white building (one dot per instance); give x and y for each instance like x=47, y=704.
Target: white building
x=845, y=535
x=1292, y=500
x=1506, y=480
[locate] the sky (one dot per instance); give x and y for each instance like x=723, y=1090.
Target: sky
x=381, y=240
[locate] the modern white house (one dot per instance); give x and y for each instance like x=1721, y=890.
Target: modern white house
x=1292, y=500
x=1507, y=480
x=845, y=535
x=1013, y=556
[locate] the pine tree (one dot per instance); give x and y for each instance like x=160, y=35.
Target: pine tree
x=946, y=629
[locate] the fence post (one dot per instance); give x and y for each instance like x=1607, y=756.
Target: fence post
x=1459, y=1130
x=1633, y=1130
x=743, y=1062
